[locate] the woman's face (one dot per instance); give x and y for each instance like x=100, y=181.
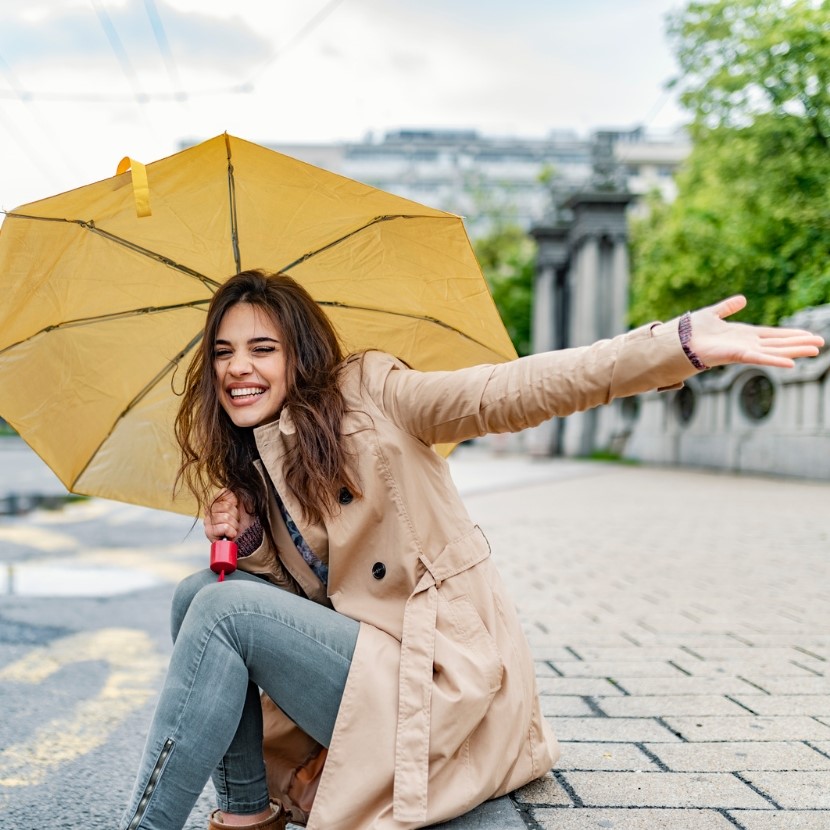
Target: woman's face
x=249, y=366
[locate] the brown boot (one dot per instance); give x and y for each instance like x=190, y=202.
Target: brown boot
x=277, y=820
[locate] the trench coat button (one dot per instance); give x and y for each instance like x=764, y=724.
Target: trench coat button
x=378, y=570
x=345, y=496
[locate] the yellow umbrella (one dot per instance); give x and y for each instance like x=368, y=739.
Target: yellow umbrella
x=105, y=288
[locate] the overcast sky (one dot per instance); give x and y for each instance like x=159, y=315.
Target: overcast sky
x=85, y=82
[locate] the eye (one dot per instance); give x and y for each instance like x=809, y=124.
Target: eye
x=264, y=349
x=220, y=353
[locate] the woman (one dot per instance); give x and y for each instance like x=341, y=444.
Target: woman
x=398, y=689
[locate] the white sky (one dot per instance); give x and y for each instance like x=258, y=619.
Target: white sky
x=71, y=102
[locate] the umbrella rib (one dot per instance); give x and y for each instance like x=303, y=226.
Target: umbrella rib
x=343, y=238
x=172, y=364
x=102, y=318
x=422, y=317
x=232, y=195
x=91, y=226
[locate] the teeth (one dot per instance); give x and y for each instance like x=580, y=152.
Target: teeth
x=251, y=390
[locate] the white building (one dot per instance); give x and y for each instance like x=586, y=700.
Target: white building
x=480, y=177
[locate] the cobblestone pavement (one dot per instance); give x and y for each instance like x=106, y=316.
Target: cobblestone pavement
x=680, y=622
x=681, y=627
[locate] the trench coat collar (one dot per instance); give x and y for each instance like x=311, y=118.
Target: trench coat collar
x=283, y=425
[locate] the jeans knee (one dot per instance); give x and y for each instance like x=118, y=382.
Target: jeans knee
x=185, y=593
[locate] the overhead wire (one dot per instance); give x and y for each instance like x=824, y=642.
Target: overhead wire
x=142, y=97
x=164, y=47
x=119, y=51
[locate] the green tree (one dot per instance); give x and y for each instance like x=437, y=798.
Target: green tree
x=507, y=256
x=752, y=213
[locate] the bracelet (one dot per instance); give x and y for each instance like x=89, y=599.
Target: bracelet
x=248, y=541
x=684, y=328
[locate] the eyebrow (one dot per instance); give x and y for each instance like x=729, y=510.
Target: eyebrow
x=252, y=340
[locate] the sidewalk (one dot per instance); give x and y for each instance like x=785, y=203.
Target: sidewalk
x=680, y=622
x=681, y=626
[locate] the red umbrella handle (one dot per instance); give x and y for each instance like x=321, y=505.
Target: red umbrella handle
x=223, y=557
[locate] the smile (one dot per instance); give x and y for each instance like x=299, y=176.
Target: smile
x=248, y=391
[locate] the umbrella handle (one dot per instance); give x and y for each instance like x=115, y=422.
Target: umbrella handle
x=223, y=557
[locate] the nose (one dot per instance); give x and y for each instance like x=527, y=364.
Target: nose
x=240, y=364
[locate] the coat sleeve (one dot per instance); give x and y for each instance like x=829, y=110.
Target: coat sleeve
x=446, y=407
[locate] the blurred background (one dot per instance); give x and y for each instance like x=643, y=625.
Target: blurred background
x=615, y=163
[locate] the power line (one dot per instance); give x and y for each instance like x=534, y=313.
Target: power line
x=118, y=49
x=164, y=48
x=304, y=31
x=143, y=97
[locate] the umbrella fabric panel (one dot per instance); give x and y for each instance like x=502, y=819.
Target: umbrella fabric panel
x=52, y=274
x=287, y=208
x=138, y=461
x=422, y=268
x=86, y=378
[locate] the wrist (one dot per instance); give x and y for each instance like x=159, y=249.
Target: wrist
x=684, y=330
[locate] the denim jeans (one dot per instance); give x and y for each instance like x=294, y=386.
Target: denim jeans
x=231, y=639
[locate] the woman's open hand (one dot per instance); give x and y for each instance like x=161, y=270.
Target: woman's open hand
x=717, y=342
x=227, y=517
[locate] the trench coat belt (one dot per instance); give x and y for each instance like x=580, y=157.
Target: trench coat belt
x=415, y=680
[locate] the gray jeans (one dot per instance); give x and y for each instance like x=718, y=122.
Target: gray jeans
x=232, y=638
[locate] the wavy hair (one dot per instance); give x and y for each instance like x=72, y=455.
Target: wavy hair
x=217, y=454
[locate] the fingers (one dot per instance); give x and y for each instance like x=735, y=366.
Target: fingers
x=729, y=306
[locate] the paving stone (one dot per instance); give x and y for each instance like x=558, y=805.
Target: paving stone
x=632, y=652
x=542, y=669
x=634, y=730
x=782, y=819
x=633, y=819
x=749, y=728
x=790, y=685
x=687, y=686
x=623, y=757
x=794, y=790
x=821, y=746
x=658, y=706
x=619, y=669
x=560, y=705
x=547, y=651
x=749, y=654
x=577, y=686
x=663, y=789
x=811, y=705
x=744, y=668
x=545, y=790
x=736, y=757
x=499, y=814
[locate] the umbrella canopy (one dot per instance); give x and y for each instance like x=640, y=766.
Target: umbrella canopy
x=102, y=308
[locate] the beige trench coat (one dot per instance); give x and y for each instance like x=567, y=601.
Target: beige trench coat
x=440, y=710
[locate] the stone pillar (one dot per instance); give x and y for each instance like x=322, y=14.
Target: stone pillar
x=598, y=281
x=620, y=276
x=549, y=318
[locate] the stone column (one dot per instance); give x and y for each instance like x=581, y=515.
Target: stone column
x=598, y=235
x=547, y=318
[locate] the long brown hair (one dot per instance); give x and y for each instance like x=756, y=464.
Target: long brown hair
x=218, y=454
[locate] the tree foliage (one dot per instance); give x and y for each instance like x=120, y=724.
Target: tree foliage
x=507, y=257
x=752, y=213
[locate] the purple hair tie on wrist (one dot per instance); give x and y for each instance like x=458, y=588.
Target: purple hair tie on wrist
x=685, y=330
